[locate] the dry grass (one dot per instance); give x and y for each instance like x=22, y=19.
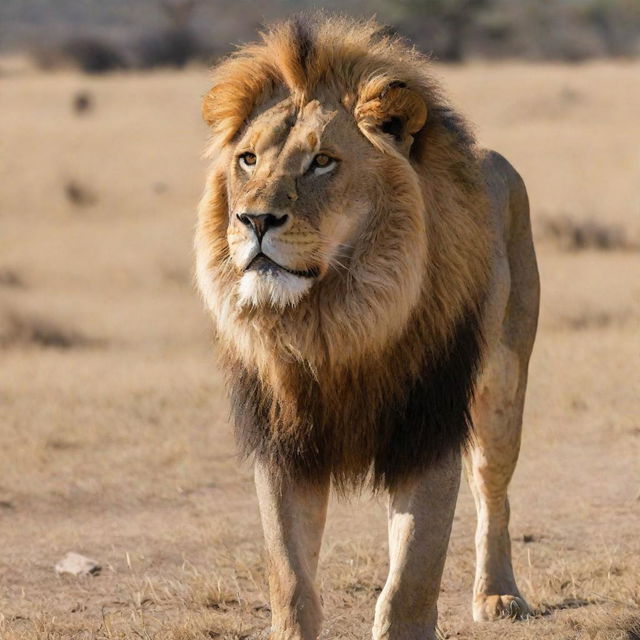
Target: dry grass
x=114, y=439
x=20, y=329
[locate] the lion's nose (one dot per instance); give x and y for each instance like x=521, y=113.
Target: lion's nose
x=261, y=222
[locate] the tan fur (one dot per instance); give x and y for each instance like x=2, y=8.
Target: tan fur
x=399, y=244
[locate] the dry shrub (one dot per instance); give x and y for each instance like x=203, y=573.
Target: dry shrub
x=170, y=48
x=577, y=235
x=82, y=102
x=176, y=45
x=78, y=194
x=10, y=278
x=597, y=319
x=88, y=54
x=93, y=55
x=21, y=329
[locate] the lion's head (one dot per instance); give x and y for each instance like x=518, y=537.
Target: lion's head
x=343, y=224
x=300, y=182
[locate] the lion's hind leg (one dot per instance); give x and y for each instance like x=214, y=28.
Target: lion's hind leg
x=489, y=464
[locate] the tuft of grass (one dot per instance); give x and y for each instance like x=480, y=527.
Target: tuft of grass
x=78, y=194
x=82, y=102
x=21, y=329
x=596, y=319
x=577, y=235
x=10, y=278
x=214, y=594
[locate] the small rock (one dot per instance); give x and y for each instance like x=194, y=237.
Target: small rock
x=78, y=565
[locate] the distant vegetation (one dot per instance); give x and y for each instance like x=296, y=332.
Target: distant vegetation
x=568, y=30
x=172, y=44
x=571, y=234
x=98, y=37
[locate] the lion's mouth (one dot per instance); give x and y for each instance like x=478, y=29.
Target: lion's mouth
x=263, y=264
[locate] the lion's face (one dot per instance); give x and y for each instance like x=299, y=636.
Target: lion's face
x=297, y=194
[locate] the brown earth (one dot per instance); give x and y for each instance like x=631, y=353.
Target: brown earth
x=114, y=438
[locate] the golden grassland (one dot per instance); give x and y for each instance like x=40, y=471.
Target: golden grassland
x=114, y=435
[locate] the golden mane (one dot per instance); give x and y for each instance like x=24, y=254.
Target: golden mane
x=355, y=60
x=373, y=373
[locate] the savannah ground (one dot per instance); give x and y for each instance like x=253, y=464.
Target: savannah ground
x=114, y=433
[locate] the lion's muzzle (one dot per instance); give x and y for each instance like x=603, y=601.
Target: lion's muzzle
x=261, y=222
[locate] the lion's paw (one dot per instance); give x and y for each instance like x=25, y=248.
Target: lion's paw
x=494, y=607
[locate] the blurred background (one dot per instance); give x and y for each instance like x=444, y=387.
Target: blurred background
x=114, y=433
x=100, y=36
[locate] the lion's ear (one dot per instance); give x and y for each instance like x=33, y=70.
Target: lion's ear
x=396, y=110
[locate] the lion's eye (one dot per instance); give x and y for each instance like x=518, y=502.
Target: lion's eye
x=248, y=160
x=322, y=163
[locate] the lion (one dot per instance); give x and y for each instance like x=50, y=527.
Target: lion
x=372, y=281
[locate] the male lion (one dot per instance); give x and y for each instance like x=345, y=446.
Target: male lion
x=374, y=289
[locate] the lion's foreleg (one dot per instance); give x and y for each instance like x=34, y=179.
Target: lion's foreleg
x=420, y=518
x=293, y=516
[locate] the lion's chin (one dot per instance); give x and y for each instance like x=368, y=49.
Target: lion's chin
x=272, y=288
